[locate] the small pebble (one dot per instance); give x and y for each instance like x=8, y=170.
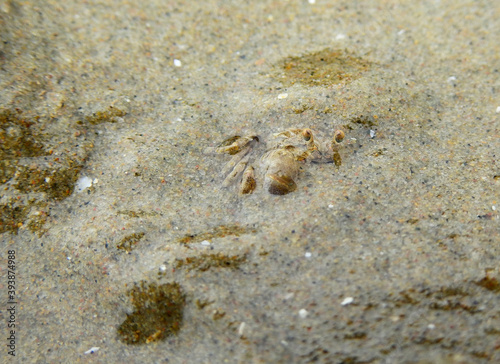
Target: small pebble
x=372, y=133
x=308, y=255
x=282, y=96
x=347, y=301
x=205, y=243
x=498, y=109
x=431, y=326
x=177, y=63
x=330, y=206
x=303, y=313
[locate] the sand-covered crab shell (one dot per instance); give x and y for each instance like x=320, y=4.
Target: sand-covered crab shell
x=280, y=163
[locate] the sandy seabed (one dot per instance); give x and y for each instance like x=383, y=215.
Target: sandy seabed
x=126, y=243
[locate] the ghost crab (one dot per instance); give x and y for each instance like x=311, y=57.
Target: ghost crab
x=280, y=162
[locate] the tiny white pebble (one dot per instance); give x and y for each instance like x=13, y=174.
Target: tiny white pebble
x=205, y=243
x=401, y=32
x=241, y=328
x=340, y=36
x=303, y=313
x=308, y=255
x=163, y=268
x=431, y=326
x=282, y=96
x=493, y=207
x=177, y=63
x=452, y=78
x=69, y=258
x=347, y=301
x=330, y=206
x=311, y=1
x=91, y=350
x=372, y=133
x=498, y=109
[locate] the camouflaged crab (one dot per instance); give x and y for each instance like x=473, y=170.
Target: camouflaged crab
x=280, y=163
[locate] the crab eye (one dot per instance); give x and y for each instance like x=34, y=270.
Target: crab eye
x=338, y=136
x=307, y=134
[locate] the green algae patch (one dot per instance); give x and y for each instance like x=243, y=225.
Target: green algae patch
x=12, y=217
x=106, y=116
x=367, y=121
x=57, y=184
x=204, y=262
x=324, y=68
x=139, y=213
x=158, y=313
x=489, y=283
x=129, y=242
x=217, y=232
x=17, y=140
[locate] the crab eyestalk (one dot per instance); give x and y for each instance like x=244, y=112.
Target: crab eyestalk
x=307, y=134
x=338, y=136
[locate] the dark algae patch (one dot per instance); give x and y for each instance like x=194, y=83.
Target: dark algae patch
x=16, y=137
x=57, y=184
x=12, y=217
x=106, y=116
x=129, y=242
x=41, y=158
x=217, y=232
x=364, y=120
x=323, y=68
x=204, y=262
x=490, y=283
x=158, y=313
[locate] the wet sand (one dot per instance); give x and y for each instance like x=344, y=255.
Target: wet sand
x=390, y=257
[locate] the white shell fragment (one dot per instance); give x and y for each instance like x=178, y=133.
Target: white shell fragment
x=92, y=350
x=347, y=301
x=83, y=183
x=308, y=255
x=372, y=133
x=282, y=96
x=241, y=328
x=303, y=313
x=205, y=243
x=177, y=63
